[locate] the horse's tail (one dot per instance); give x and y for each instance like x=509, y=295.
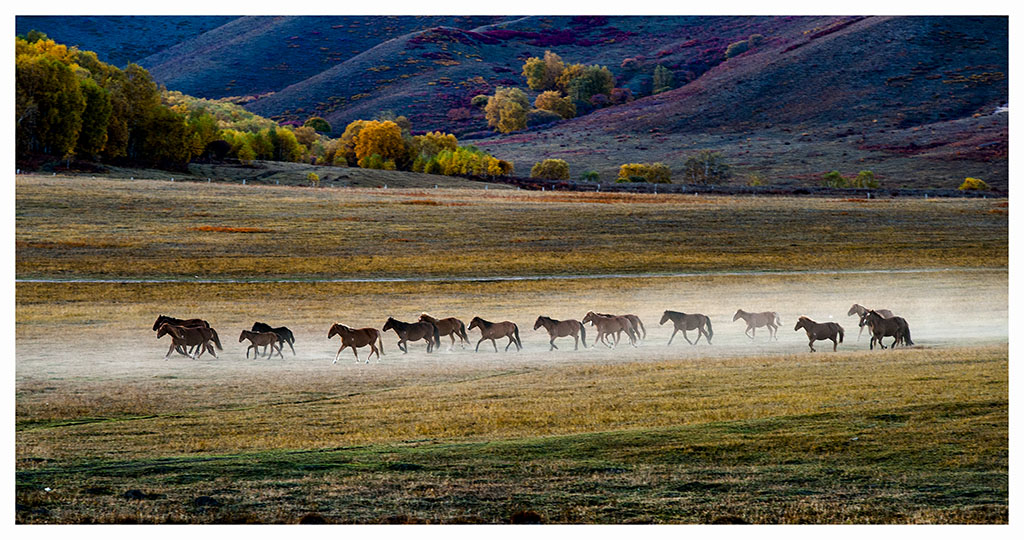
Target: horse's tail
x=641, y=325
x=906, y=336
x=707, y=321
x=462, y=331
x=778, y=321
x=290, y=338
x=515, y=330
x=840, y=328
x=437, y=337
x=216, y=340
x=380, y=339
x=583, y=335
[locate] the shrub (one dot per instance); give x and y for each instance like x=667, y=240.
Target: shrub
x=543, y=73
x=479, y=101
x=539, y=117
x=655, y=173
x=550, y=169
x=590, y=176
x=973, y=184
x=755, y=39
x=318, y=124
x=314, y=179
x=737, y=48
x=707, y=167
x=621, y=95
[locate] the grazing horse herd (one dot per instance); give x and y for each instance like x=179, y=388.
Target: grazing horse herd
x=193, y=337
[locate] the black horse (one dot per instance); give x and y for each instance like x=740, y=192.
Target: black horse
x=284, y=335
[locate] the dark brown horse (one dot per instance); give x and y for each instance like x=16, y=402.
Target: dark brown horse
x=261, y=339
x=557, y=329
x=450, y=327
x=413, y=332
x=355, y=338
x=860, y=311
x=197, y=337
x=757, y=320
x=282, y=332
x=820, y=331
x=611, y=325
x=492, y=331
x=161, y=319
x=880, y=327
x=689, y=321
x=634, y=321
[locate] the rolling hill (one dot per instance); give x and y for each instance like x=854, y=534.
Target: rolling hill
x=914, y=99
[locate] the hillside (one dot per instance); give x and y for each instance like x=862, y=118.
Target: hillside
x=913, y=101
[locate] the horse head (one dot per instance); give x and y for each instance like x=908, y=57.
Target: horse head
x=159, y=320
x=589, y=317
x=335, y=330
x=477, y=322
x=801, y=323
x=243, y=335
x=664, y=318
x=389, y=324
x=855, y=309
x=425, y=317
x=739, y=313
x=540, y=322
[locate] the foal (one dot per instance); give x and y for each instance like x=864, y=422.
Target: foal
x=261, y=339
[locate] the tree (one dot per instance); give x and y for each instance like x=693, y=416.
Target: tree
x=543, y=73
x=707, y=167
x=550, y=169
x=306, y=136
x=318, y=124
x=48, y=104
x=655, y=173
x=553, y=101
x=663, y=80
x=507, y=109
x=590, y=81
x=833, y=180
x=864, y=179
x=95, y=118
x=381, y=138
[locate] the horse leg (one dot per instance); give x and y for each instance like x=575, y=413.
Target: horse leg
x=168, y=355
x=577, y=338
x=688, y=339
x=673, y=336
x=452, y=346
x=835, y=344
x=404, y=345
x=478, y=344
x=355, y=351
x=339, y=354
x=811, y=345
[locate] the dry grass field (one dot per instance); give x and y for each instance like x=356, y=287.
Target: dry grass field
x=761, y=431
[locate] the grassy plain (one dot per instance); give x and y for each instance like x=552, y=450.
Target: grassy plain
x=759, y=431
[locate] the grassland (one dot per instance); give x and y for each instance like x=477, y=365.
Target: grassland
x=756, y=431
x=101, y=228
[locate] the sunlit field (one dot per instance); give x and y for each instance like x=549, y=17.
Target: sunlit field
x=739, y=430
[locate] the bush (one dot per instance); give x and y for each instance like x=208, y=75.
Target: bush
x=655, y=173
x=550, y=169
x=319, y=124
x=662, y=80
x=479, y=101
x=590, y=176
x=736, y=49
x=707, y=167
x=314, y=179
x=506, y=110
x=553, y=101
x=973, y=184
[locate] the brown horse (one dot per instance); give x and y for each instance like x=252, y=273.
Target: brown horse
x=183, y=336
x=161, y=319
x=689, y=321
x=357, y=338
x=413, y=332
x=820, y=331
x=611, y=325
x=634, y=321
x=880, y=327
x=757, y=320
x=261, y=339
x=450, y=327
x=557, y=329
x=492, y=331
x=860, y=311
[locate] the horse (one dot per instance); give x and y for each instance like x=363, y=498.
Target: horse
x=450, y=327
x=161, y=319
x=757, y=320
x=490, y=330
x=633, y=320
x=820, y=331
x=688, y=321
x=356, y=338
x=282, y=332
x=860, y=310
x=611, y=325
x=557, y=329
x=185, y=336
x=261, y=339
x=413, y=332
x=880, y=327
